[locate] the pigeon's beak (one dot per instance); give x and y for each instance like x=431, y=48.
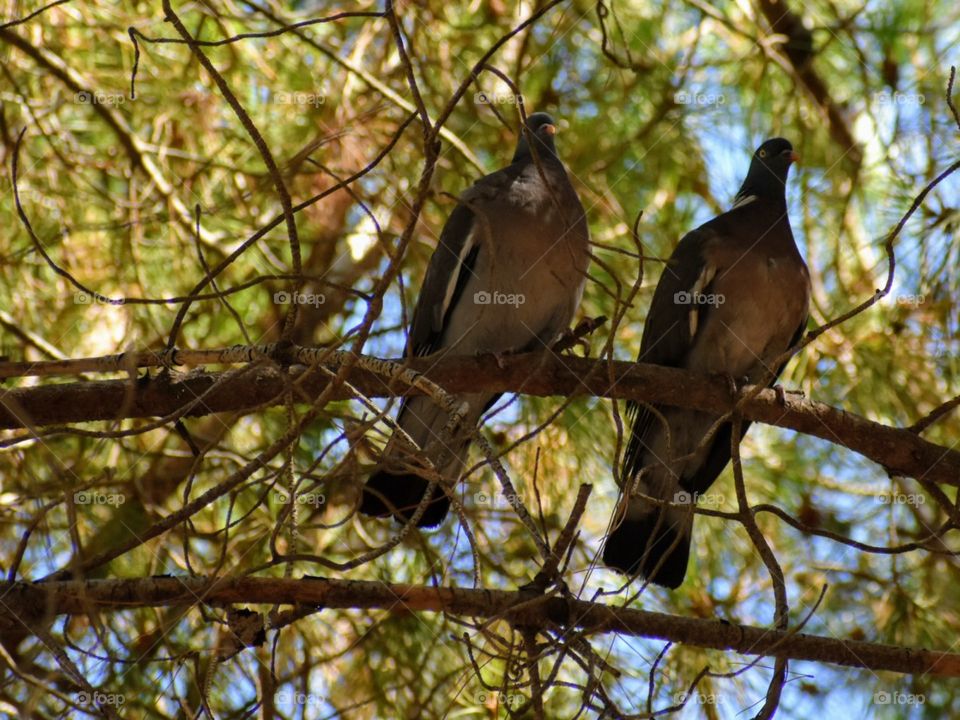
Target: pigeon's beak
x=794, y=156
x=550, y=129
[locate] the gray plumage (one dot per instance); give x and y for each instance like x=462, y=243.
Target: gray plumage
x=506, y=277
x=733, y=296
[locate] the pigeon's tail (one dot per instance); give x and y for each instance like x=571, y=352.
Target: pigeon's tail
x=399, y=494
x=656, y=546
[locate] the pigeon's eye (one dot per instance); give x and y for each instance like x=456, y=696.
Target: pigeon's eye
x=762, y=153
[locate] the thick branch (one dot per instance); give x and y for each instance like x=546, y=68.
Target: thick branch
x=898, y=450
x=36, y=602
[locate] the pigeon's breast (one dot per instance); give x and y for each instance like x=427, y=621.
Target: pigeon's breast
x=759, y=299
x=527, y=282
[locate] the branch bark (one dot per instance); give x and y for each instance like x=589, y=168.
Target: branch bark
x=898, y=450
x=39, y=602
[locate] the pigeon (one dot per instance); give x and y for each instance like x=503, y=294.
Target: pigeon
x=733, y=296
x=506, y=277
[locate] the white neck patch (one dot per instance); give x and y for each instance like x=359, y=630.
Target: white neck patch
x=742, y=200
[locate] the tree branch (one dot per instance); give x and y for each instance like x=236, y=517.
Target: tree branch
x=899, y=450
x=26, y=603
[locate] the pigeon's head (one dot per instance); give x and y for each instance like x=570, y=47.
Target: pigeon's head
x=539, y=132
x=775, y=156
x=767, y=177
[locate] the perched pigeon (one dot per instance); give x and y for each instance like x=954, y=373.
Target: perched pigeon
x=507, y=276
x=733, y=296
